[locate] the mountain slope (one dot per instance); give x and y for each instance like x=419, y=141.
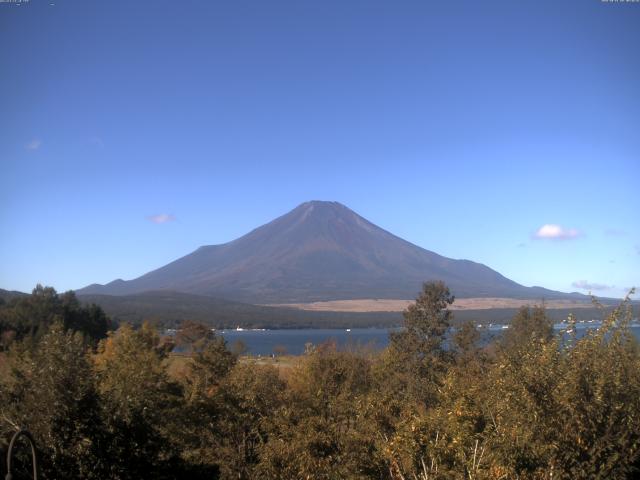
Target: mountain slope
x=318, y=251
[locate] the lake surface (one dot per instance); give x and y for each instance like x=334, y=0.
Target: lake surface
x=265, y=342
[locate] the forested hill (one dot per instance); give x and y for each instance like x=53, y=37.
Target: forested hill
x=171, y=308
x=6, y=295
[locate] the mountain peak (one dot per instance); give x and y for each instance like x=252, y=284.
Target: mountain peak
x=321, y=206
x=320, y=250
x=320, y=203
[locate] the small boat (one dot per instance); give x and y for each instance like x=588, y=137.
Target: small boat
x=348, y=330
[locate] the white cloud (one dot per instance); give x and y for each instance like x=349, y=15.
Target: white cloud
x=161, y=218
x=556, y=232
x=585, y=285
x=33, y=144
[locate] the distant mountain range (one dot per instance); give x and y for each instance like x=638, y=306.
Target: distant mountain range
x=319, y=251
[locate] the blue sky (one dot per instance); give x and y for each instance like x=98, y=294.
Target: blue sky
x=132, y=133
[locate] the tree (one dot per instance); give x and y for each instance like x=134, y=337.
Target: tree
x=208, y=367
x=51, y=392
x=139, y=403
x=323, y=430
x=31, y=316
x=466, y=343
x=529, y=324
x=417, y=358
x=90, y=320
x=567, y=409
x=249, y=397
x=193, y=336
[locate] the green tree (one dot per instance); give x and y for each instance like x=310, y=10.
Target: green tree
x=31, y=316
x=529, y=324
x=413, y=365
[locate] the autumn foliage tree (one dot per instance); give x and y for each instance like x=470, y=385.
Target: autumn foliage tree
x=438, y=403
x=51, y=392
x=138, y=402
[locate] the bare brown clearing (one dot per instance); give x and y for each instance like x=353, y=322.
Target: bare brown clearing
x=391, y=305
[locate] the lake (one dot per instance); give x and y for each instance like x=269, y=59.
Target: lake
x=263, y=342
